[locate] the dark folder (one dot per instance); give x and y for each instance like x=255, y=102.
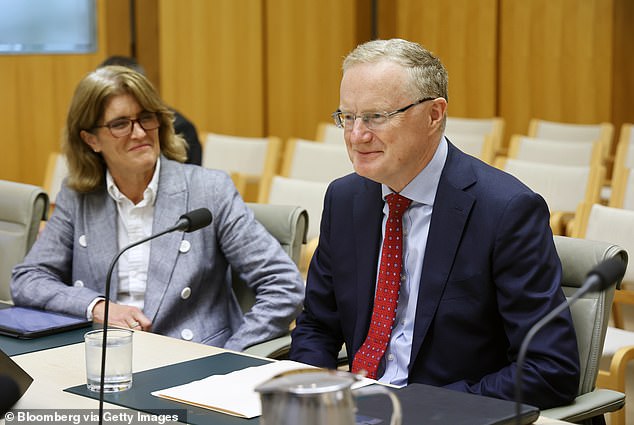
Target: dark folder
x=10, y=369
x=425, y=404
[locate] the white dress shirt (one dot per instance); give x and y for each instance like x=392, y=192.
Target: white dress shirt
x=134, y=222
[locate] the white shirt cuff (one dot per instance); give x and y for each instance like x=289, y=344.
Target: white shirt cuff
x=91, y=306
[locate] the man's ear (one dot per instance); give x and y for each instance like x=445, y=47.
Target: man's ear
x=90, y=139
x=438, y=111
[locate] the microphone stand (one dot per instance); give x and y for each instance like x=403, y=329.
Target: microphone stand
x=601, y=277
x=527, y=339
x=181, y=225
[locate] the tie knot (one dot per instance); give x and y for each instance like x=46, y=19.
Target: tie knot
x=397, y=203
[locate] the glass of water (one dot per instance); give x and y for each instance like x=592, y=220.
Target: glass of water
x=118, y=373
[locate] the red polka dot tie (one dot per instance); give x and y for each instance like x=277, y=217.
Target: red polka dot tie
x=386, y=297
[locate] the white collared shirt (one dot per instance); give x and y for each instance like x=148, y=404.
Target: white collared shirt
x=416, y=220
x=134, y=222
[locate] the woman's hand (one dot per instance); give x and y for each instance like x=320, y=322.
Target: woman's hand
x=124, y=316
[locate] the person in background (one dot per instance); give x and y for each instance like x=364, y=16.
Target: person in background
x=127, y=181
x=431, y=265
x=182, y=125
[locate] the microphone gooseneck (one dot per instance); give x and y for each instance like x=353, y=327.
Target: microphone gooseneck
x=599, y=278
x=188, y=222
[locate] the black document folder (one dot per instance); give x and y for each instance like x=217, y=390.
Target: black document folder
x=11, y=369
x=421, y=404
x=424, y=404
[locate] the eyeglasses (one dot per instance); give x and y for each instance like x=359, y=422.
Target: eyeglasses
x=372, y=120
x=122, y=127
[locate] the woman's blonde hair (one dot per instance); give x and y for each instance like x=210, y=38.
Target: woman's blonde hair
x=87, y=169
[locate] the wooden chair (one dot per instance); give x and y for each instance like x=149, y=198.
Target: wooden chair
x=615, y=225
x=479, y=145
x=247, y=159
x=553, y=130
x=558, y=152
x=563, y=187
x=315, y=161
x=56, y=172
x=327, y=132
x=493, y=127
x=602, y=132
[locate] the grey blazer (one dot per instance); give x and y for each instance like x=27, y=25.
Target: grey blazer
x=188, y=291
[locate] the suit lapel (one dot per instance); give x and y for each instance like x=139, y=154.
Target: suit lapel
x=101, y=239
x=449, y=217
x=171, y=203
x=367, y=213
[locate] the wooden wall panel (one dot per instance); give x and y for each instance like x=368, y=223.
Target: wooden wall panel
x=623, y=71
x=211, y=63
x=146, y=47
x=306, y=43
x=555, y=61
x=463, y=33
x=36, y=91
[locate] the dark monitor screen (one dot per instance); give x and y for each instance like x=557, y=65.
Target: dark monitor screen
x=48, y=26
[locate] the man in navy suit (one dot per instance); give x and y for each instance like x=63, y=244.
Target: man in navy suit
x=479, y=263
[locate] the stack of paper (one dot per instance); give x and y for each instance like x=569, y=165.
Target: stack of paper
x=234, y=393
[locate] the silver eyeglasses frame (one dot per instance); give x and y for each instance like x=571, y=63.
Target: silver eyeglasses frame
x=371, y=120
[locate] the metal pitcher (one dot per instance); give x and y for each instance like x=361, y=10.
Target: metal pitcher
x=315, y=397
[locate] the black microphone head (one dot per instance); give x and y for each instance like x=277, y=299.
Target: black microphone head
x=608, y=272
x=9, y=394
x=194, y=220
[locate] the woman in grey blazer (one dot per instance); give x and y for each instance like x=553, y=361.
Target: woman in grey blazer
x=126, y=181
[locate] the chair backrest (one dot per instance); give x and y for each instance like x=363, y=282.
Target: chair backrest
x=315, y=161
x=602, y=132
x=591, y=313
x=478, y=145
x=601, y=223
x=563, y=187
x=327, y=132
x=56, y=172
x=22, y=208
x=288, y=224
x=307, y=194
x=246, y=159
x=247, y=155
x=493, y=127
x=561, y=152
x=616, y=225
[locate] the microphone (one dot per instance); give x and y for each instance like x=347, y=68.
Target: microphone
x=9, y=394
x=598, y=279
x=188, y=222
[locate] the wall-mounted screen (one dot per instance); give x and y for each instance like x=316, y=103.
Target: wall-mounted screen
x=48, y=26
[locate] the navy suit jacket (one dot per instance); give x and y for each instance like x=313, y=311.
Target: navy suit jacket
x=490, y=272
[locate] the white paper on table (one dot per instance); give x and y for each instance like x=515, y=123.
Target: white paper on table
x=234, y=393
